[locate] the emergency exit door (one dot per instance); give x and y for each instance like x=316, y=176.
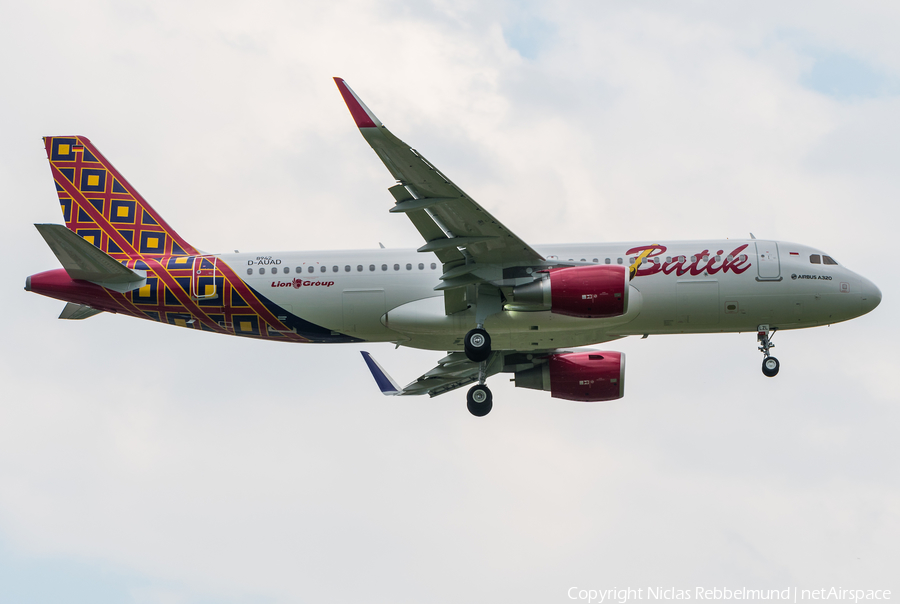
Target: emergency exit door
x=767, y=262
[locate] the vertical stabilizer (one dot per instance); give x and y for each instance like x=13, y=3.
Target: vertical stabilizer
x=103, y=208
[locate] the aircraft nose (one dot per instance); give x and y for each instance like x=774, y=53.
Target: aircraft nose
x=871, y=296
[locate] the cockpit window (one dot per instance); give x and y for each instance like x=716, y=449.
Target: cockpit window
x=815, y=259
x=828, y=260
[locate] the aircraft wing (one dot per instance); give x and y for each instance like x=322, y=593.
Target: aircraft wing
x=452, y=372
x=455, y=228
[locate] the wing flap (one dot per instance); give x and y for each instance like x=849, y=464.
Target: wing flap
x=430, y=232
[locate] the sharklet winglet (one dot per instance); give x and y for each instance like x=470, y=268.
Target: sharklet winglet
x=385, y=383
x=362, y=115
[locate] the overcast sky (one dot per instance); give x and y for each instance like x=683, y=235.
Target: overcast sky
x=144, y=463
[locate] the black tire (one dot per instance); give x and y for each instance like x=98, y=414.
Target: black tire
x=477, y=344
x=479, y=400
x=770, y=366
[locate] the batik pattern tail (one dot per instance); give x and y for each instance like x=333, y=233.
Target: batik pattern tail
x=102, y=207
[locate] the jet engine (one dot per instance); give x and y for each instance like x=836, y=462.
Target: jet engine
x=578, y=376
x=579, y=291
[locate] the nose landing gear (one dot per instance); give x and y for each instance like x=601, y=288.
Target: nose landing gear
x=770, y=364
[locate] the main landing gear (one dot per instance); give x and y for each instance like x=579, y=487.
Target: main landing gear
x=479, y=399
x=477, y=345
x=770, y=364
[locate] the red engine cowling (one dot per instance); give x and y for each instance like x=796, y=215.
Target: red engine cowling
x=578, y=376
x=579, y=291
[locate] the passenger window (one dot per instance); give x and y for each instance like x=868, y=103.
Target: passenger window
x=729, y=258
x=384, y=267
x=334, y=268
x=743, y=257
x=249, y=271
x=815, y=259
x=668, y=259
x=299, y=269
x=359, y=267
x=619, y=260
x=421, y=266
x=346, y=268
x=433, y=266
x=262, y=271
x=371, y=267
x=596, y=260
x=311, y=269
x=409, y=267
x=607, y=261
x=323, y=269
x=693, y=259
x=828, y=260
x=396, y=267
x=286, y=270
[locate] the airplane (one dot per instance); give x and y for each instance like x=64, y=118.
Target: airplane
x=474, y=290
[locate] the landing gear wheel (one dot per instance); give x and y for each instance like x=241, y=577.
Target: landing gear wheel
x=479, y=400
x=770, y=364
x=477, y=344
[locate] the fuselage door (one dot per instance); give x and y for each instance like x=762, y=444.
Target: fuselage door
x=203, y=278
x=768, y=265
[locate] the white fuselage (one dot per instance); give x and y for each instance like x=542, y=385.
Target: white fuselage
x=724, y=286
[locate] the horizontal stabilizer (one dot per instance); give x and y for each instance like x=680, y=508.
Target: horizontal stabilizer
x=387, y=385
x=84, y=261
x=78, y=311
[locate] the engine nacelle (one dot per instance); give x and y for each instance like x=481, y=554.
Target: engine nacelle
x=578, y=376
x=591, y=292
